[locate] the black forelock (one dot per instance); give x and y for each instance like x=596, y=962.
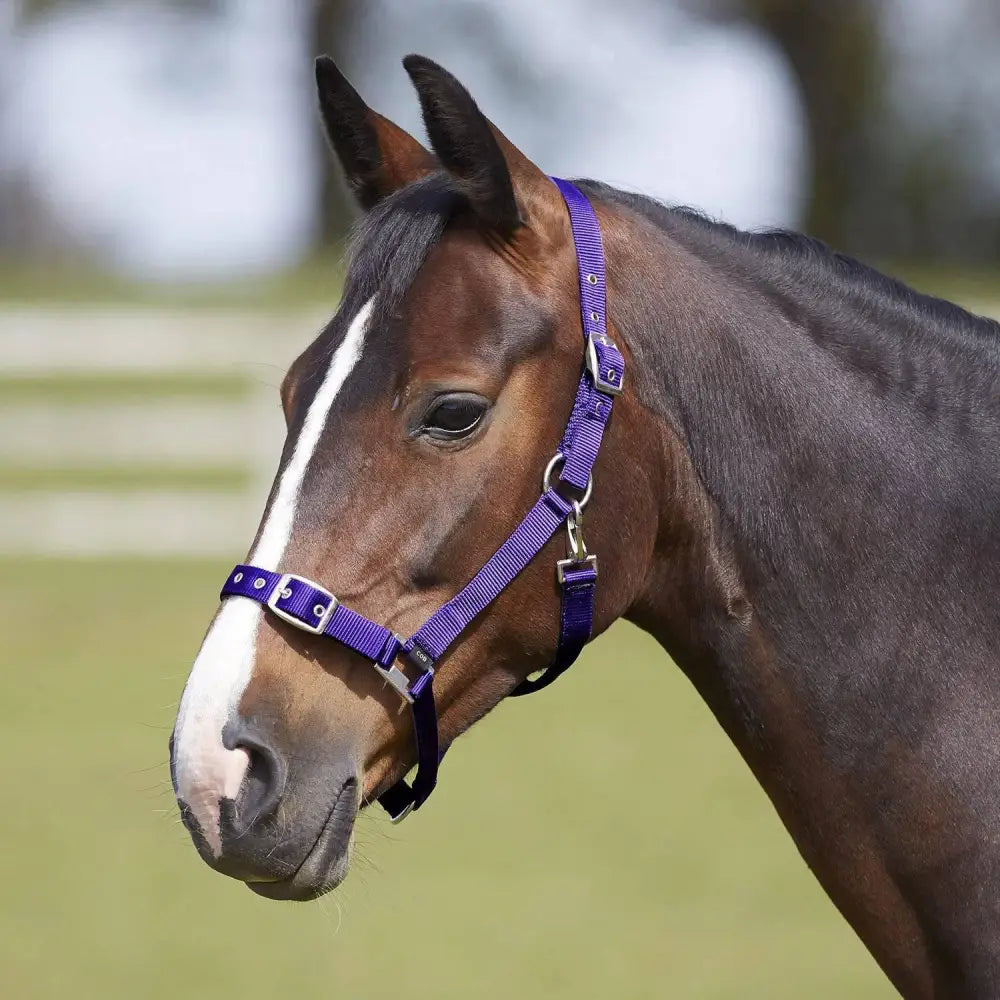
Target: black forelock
x=390, y=243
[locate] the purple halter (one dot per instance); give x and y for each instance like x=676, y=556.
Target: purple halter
x=307, y=606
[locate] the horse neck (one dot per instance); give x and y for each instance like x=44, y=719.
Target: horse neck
x=796, y=598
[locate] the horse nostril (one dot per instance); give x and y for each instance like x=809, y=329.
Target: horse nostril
x=263, y=781
x=261, y=788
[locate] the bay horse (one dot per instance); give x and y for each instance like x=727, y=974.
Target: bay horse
x=797, y=495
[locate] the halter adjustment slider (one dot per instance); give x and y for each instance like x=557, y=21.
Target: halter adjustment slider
x=397, y=679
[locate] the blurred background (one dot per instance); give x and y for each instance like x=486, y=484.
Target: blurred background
x=171, y=232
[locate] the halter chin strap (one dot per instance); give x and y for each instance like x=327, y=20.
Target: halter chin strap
x=307, y=606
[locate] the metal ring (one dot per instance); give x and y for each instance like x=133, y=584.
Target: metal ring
x=555, y=460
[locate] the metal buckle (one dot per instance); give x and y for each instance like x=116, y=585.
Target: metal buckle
x=613, y=388
x=402, y=814
x=562, y=565
x=279, y=593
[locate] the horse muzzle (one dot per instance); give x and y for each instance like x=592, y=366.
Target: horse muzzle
x=285, y=830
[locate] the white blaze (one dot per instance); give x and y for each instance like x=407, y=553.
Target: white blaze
x=205, y=770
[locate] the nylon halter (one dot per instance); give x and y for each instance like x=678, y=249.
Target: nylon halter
x=312, y=608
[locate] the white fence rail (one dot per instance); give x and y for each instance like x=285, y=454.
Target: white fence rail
x=144, y=341
x=203, y=433
x=173, y=433
x=239, y=432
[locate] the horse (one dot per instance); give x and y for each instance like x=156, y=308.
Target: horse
x=796, y=495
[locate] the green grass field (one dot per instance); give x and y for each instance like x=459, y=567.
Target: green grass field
x=601, y=840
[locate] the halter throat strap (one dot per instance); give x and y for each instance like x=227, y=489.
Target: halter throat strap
x=310, y=607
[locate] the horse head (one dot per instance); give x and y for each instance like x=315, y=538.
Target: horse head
x=420, y=422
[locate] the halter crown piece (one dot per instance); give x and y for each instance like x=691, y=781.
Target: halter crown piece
x=310, y=607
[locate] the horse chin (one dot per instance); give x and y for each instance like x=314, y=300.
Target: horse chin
x=326, y=864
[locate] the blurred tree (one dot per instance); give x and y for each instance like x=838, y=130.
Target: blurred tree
x=834, y=49
x=878, y=185
x=330, y=28
x=35, y=8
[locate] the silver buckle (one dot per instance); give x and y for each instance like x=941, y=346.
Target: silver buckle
x=564, y=564
x=401, y=816
x=395, y=677
x=279, y=592
x=601, y=378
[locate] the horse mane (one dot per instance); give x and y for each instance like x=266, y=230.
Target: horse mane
x=389, y=244
x=789, y=259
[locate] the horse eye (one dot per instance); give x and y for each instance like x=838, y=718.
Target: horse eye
x=453, y=417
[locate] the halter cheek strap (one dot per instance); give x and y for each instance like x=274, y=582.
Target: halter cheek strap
x=310, y=607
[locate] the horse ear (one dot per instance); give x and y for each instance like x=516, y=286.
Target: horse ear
x=378, y=157
x=505, y=189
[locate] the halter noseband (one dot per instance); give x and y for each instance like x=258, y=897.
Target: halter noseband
x=310, y=607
